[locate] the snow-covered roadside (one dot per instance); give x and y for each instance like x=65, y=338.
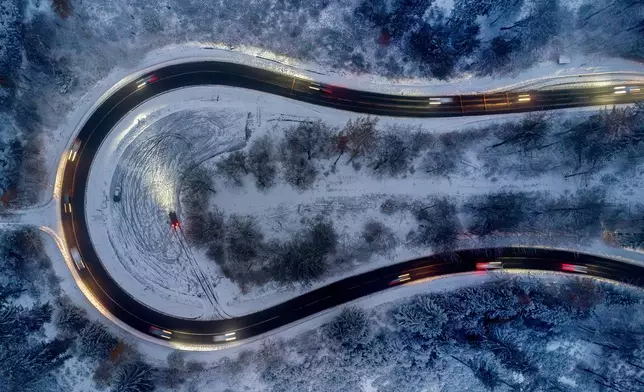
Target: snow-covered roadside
x=151, y=178
x=85, y=103
x=133, y=237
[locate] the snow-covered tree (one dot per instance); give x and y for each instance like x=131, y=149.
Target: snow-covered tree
x=311, y=139
x=392, y=155
x=95, y=341
x=422, y=316
x=135, y=377
x=234, y=167
x=261, y=161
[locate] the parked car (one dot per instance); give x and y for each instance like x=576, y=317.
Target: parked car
x=117, y=194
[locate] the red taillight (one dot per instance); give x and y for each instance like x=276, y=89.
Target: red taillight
x=568, y=267
x=481, y=266
x=153, y=78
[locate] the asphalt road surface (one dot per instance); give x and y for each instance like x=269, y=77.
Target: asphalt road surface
x=126, y=308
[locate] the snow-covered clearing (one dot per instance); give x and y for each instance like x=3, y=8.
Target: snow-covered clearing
x=155, y=145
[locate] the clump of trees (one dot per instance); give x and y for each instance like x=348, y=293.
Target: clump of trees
x=377, y=237
x=234, y=167
x=480, y=337
x=438, y=225
x=304, y=259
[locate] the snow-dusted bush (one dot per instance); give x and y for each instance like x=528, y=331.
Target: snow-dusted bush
x=377, y=237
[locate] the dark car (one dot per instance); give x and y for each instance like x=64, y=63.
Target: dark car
x=117, y=194
x=174, y=221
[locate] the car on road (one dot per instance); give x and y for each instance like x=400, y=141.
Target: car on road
x=117, y=194
x=438, y=101
x=67, y=201
x=174, y=221
x=146, y=80
x=626, y=89
x=400, y=279
x=524, y=97
x=582, y=269
x=488, y=265
x=73, y=152
x=77, y=259
x=162, y=333
x=320, y=87
x=227, y=337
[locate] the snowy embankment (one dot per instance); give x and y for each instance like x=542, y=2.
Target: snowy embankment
x=151, y=149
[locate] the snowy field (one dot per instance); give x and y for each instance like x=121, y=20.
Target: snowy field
x=156, y=146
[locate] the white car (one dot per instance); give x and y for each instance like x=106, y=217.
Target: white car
x=400, y=279
x=146, y=80
x=67, y=202
x=626, y=89
x=77, y=259
x=319, y=87
x=73, y=152
x=438, y=101
x=227, y=337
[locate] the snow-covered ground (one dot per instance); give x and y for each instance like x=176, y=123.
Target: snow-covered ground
x=153, y=147
x=594, y=69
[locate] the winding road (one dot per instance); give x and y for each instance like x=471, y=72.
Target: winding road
x=126, y=308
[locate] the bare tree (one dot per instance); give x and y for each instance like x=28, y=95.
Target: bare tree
x=198, y=187
x=525, y=135
x=244, y=239
x=362, y=135
x=298, y=170
x=234, y=167
x=205, y=227
x=312, y=139
x=377, y=236
x=261, y=161
x=501, y=211
x=135, y=377
x=438, y=225
x=392, y=155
